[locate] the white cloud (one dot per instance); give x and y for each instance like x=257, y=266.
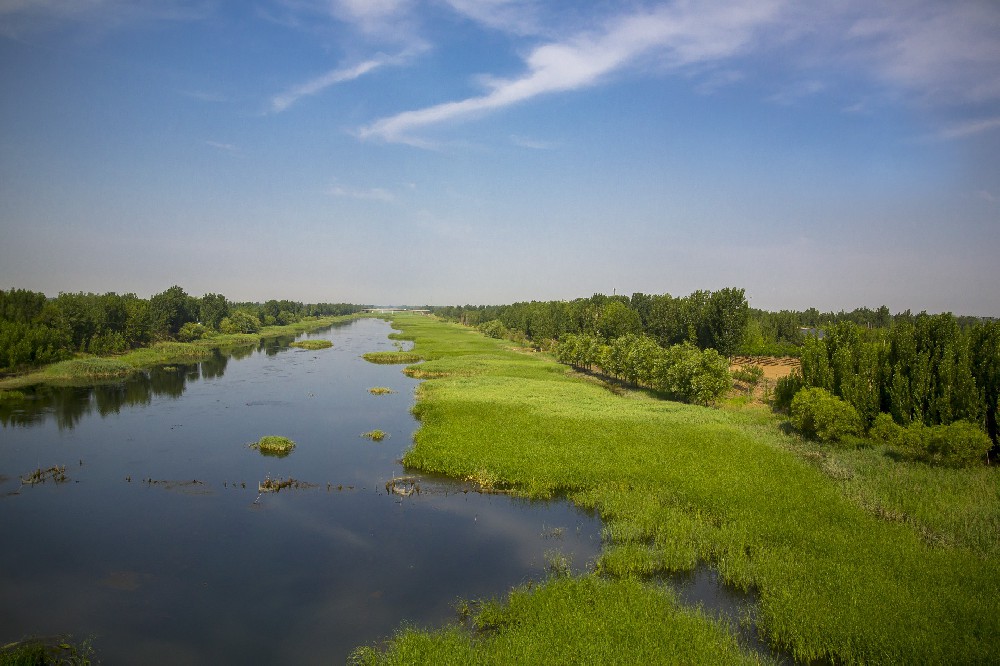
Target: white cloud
x=533, y=144
x=946, y=52
x=518, y=17
x=794, y=92
x=677, y=36
x=284, y=100
x=969, y=128
x=227, y=147
x=370, y=194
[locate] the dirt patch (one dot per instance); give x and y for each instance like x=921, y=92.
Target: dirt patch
x=774, y=367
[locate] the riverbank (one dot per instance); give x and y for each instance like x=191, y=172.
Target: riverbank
x=87, y=369
x=679, y=485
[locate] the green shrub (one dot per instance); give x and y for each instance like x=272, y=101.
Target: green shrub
x=785, y=390
x=493, y=329
x=698, y=377
x=885, y=430
x=191, y=331
x=749, y=374
x=956, y=445
x=240, y=321
x=818, y=414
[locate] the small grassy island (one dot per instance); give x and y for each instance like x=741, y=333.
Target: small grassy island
x=391, y=358
x=375, y=435
x=312, y=344
x=273, y=445
x=380, y=390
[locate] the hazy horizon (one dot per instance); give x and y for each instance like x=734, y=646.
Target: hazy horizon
x=449, y=152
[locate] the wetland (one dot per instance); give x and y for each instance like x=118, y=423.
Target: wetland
x=164, y=539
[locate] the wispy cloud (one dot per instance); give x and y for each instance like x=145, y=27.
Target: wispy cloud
x=676, y=36
x=793, y=93
x=969, y=128
x=284, y=100
x=940, y=52
x=370, y=194
x=946, y=52
x=533, y=144
x=227, y=147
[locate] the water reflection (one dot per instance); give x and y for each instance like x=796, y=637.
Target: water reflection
x=67, y=405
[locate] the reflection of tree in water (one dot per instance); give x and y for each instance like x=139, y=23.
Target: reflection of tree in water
x=68, y=404
x=272, y=346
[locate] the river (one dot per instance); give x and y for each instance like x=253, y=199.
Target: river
x=158, y=546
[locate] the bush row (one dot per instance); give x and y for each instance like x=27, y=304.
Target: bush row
x=682, y=372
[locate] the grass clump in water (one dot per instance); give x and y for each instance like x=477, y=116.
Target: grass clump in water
x=312, y=344
x=375, y=435
x=274, y=445
x=391, y=358
x=38, y=651
x=380, y=390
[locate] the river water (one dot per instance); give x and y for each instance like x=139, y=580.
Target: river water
x=158, y=546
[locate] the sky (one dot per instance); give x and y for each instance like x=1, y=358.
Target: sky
x=817, y=154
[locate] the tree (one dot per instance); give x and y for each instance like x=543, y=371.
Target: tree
x=724, y=321
x=212, y=309
x=617, y=319
x=171, y=309
x=240, y=321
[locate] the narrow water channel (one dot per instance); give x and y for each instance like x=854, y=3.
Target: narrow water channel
x=158, y=546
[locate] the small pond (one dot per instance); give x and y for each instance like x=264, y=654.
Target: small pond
x=159, y=547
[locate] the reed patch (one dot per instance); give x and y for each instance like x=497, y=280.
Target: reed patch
x=313, y=344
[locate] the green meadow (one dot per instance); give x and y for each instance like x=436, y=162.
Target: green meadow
x=852, y=555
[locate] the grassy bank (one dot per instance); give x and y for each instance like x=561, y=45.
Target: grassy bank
x=818, y=536
x=87, y=369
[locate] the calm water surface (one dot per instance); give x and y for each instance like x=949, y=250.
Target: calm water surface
x=159, y=546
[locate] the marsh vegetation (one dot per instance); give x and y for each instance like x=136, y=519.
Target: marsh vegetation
x=312, y=344
x=828, y=538
x=273, y=445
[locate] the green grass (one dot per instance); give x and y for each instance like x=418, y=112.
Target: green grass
x=273, y=445
x=380, y=390
x=571, y=621
x=390, y=358
x=312, y=344
x=677, y=485
x=39, y=652
x=375, y=435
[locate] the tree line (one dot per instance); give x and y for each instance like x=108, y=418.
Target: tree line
x=36, y=329
x=707, y=320
x=919, y=372
x=681, y=372
x=916, y=381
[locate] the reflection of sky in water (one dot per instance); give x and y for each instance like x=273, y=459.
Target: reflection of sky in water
x=189, y=568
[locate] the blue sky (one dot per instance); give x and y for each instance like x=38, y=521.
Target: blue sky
x=820, y=154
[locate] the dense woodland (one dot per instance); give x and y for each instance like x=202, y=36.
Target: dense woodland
x=930, y=377
x=35, y=329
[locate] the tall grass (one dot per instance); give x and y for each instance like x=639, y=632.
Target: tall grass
x=679, y=484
